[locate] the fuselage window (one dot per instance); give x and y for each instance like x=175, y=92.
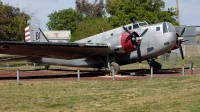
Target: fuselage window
x=111, y=34
x=129, y=28
x=135, y=26
x=157, y=28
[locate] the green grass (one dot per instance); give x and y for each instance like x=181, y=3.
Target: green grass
x=168, y=94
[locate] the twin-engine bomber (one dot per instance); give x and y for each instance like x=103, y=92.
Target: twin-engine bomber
x=120, y=46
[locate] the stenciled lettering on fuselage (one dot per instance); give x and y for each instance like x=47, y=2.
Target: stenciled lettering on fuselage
x=37, y=35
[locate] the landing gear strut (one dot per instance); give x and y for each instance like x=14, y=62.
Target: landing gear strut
x=111, y=64
x=156, y=65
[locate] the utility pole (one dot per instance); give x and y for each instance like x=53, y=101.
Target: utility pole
x=178, y=16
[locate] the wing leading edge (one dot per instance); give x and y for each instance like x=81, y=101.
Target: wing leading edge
x=53, y=50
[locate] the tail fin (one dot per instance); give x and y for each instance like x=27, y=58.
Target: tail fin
x=34, y=34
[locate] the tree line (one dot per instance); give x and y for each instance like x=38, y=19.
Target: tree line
x=12, y=23
x=88, y=18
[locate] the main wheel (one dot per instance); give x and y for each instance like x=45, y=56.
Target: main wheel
x=116, y=67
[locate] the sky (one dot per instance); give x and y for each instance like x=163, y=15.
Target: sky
x=42, y=8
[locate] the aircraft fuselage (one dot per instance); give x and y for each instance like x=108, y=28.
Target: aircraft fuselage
x=159, y=39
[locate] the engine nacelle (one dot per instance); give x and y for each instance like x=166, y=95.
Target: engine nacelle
x=126, y=42
x=176, y=45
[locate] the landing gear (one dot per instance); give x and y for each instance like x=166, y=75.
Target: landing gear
x=156, y=65
x=116, y=67
x=111, y=64
x=47, y=67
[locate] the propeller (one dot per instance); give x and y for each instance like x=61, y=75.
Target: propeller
x=179, y=42
x=136, y=41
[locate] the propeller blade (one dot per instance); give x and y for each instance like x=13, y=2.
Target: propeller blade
x=138, y=52
x=182, y=32
x=144, y=32
x=181, y=50
x=127, y=30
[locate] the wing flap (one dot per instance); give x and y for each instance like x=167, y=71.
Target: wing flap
x=53, y=50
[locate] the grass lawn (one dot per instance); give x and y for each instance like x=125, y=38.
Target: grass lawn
x=168, y=94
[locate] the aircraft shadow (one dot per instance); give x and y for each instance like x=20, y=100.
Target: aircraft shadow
x=143, y=72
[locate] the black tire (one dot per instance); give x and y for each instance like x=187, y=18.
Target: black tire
x=116, y=67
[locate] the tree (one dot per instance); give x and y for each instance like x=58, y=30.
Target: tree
x=65, y=19
x=90, y=10
x=12, y=22
x=89, y=27
x=150, y=10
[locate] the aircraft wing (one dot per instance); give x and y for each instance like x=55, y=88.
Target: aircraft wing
x=52, y=50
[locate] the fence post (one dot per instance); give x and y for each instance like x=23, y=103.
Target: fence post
x=151, y=72
x=8, y=66
x=34, y=66
x=183, y=70
x=18, y=75
x=78, y=73
x=113, y=73
x=191, y=67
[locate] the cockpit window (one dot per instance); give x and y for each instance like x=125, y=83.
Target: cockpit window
x=142, y=23
x=129, y=28
x=170, y=27
x=165, y=30
x=135, y=26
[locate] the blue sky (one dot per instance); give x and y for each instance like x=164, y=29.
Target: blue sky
x=41, y=8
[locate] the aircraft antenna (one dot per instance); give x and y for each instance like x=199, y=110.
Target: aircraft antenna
x=178, y=16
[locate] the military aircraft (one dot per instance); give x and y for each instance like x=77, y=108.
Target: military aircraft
x=131, y=43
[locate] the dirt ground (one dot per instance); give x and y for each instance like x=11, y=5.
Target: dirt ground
x=90, y=75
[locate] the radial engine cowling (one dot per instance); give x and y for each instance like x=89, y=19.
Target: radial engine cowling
x=126, y=42
x=176, y=45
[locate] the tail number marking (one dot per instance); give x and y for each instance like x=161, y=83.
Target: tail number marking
x=37, y=35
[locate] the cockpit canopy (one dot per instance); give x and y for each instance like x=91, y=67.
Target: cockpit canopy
x=137, y=25
x=168, y=27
